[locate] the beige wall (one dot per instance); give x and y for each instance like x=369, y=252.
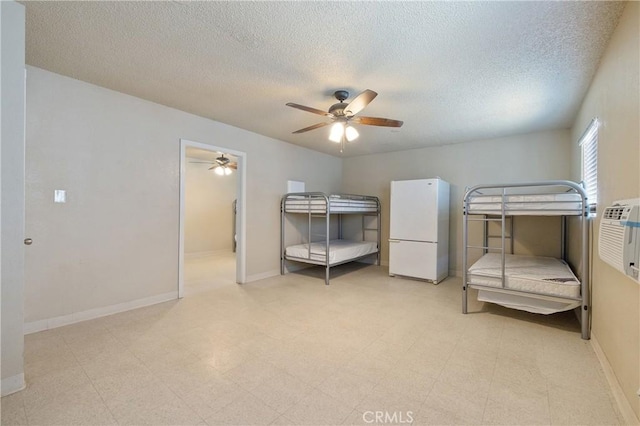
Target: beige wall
x=530, y=157
x=116, y=238
x=614, y=98
x=12, y=190
x=208, y=199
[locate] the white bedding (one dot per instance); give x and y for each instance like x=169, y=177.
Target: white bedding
x=541, y=204
x=339, y=250
x=337, y=204
x=543, y=275
x=527, y=303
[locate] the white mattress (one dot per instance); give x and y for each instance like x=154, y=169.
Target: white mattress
x=538, y=204
x=526, y=303
x=339, y=250
x=543, y=275
x=337, y=204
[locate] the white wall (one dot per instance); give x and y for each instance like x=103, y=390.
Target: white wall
x=614, y=97
x=116, y=238
x=208, y=221
x=530, y=157
x=12, y=193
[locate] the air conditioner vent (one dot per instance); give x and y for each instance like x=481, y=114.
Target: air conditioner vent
x=614, y=213
x=619, y=239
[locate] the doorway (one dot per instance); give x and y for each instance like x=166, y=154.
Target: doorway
x=212, y=198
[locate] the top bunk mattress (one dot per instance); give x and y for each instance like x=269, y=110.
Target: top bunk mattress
x=339, y=250
x=536, y=274
x=530, y=204
x=337, y=204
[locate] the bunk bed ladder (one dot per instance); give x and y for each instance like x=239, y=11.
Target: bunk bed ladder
x=486, y=246
x=365, y=229
x=488, y=236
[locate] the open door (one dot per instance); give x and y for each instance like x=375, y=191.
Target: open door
x=12, y=118
x=240, y=218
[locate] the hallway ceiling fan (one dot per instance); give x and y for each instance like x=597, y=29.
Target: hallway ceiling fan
x=343, y=114
x=221, y=166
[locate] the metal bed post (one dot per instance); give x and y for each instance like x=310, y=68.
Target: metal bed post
x=464, y=252
x=584, y=309
x=379, y=231
x=328, y=220
x=282, y=202
x=563, y=238
x=309, y=226
x=485, y=241
x=511, y=219
x=502, y=239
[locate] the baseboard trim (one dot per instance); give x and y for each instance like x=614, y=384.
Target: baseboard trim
x=628, y=415
x=47, y=324
x=12, y=384
x=262, y=276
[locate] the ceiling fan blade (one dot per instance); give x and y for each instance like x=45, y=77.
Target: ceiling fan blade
x=376, y=121
x=213, y=167
x=360, y=101
x=233, y=166
x=309, y=109
x=315, y=126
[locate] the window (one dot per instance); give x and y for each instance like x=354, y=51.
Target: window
x=589, y=144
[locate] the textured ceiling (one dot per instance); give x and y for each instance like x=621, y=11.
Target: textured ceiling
x=452, y=71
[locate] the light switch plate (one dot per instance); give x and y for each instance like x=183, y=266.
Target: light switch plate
x=59, y=196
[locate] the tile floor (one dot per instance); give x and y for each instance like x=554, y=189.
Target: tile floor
x=290, y=350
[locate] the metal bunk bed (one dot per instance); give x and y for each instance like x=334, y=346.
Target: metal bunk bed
x=514, y=280
x=319, y=248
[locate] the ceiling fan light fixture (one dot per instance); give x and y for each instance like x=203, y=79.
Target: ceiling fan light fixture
x=219, y=171
x=227, y=171
x=342, y=113
x=337, y=131
x=351, y=133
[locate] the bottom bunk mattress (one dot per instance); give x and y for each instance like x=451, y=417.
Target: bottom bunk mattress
x=534, y=274
x=339, y=250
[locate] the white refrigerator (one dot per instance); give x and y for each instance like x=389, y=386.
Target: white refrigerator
x=419, y=229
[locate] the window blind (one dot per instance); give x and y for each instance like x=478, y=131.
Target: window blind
x=589, y=144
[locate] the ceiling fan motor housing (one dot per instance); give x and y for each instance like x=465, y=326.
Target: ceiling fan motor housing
x=222, y=160
x=341, y=95
x=338, y=109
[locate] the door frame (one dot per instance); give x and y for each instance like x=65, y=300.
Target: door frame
x=241, y=218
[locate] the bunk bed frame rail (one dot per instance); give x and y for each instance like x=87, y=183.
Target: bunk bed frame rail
x=582, y=211
x=314, y=212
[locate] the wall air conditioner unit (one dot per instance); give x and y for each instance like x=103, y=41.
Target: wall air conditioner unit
x=619, y=237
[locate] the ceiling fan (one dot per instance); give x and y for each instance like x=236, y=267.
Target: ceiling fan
x=221, y=166
x=343, y=114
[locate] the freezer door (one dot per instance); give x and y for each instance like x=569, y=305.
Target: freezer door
x=414, y=210
x=413, y=259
